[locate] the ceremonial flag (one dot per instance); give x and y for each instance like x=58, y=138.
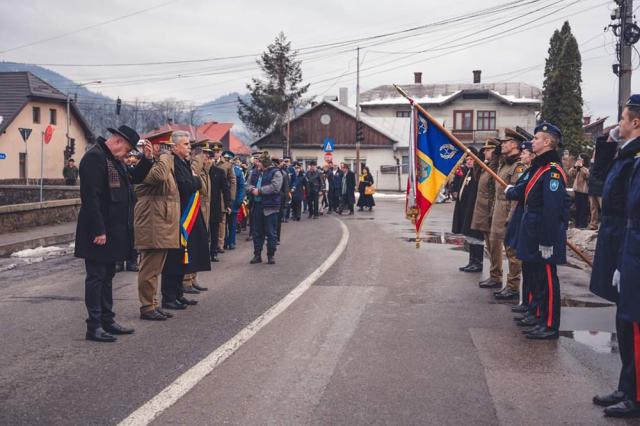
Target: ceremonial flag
x=435, y=156
x=187, y=221
x=243, y=212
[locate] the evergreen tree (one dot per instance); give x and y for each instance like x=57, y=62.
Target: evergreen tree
x=562, y=93
x=276, y=94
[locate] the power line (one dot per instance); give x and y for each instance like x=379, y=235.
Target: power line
x=99, y=24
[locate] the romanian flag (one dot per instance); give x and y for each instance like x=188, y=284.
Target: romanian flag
x=243, y=212
x=188, y=219
x=436, y=156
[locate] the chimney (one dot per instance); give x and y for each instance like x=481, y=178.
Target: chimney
x=476, y=76
x=343, y=97
x=586, y=120
x=417, y=77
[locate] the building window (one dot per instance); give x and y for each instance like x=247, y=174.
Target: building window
x=463, y=120
x=22, y=161
x=486, y=120
x=36, y=115
x=405, y=164
x=352, y=163
x=53, y=116
x=403, y=114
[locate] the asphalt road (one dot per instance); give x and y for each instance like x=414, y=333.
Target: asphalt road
x=390, y=334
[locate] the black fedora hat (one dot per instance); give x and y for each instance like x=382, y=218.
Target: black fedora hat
x=128, y=134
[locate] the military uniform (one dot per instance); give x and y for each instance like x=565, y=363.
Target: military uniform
x=227, y=167
x=544, y=230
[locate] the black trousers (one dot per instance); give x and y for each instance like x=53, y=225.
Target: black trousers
x=312, y=200
x=529, y=296
x=629, y=348
x=582, y=210
x=296, y=209
x=171, y=287
x=345, y=204
x=214, y=228
x=548, y=289
x=98, y=293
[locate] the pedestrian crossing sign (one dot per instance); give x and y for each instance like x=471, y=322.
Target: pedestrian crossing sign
x=328, y=145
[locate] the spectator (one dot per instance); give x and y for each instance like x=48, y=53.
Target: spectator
x=366, y=181
x=313, y=184
x=70, y=172
x=347, y=189
x=595, y=184
x=580, y=175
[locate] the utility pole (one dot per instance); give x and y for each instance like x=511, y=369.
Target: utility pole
x=628, y=34
x=358, y=136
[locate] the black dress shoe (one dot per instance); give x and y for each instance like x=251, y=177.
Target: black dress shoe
x=152, y=316
x=476, y=267
x=462, y=268
x=507, y=295
x=271, y=260
x=190, y=290
x=164, y=313
x=199, y=287
x=625, y=409
x=256, y=259
x=220, y=251
x=609, y=399
x=115, y=328
x=543, y=333
x=527, y=322
x=174, y=305
x=186, y=301
x=99, y=335
x=489, y=283
x=519, y=309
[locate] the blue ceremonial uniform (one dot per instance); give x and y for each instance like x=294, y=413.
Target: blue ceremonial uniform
x=544, y=223
x=614, y=198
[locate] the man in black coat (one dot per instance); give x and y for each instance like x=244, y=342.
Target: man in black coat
x=220, y=205
x=197, y=253
x=347, y=189
x=313, y=183
x=104, y=233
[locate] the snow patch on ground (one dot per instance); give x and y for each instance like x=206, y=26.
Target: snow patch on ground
x=39, y=254
x=585, y=239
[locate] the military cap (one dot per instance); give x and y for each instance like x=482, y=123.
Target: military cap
x=256, y=154
x=205, y=144
x=491, y=143
x=634, y=100
x=228, y=154
x=551, y=129
x=163, y=138
x=216, y=146
x=526, y=145
x=511, y=134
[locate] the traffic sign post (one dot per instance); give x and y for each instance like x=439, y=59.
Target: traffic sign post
x=328, y=145
x=25, y=133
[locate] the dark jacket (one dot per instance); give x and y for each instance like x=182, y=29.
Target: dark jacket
x=365, y=200
x=314, y=181
x=348, y=192
x=516, y=193
x=107, y=204
x=629, y=262
x=463, y=211
x=614, y=199
x=297, y=187
x=220, y=194
x=270, y=187
x=546, y=212
x=198, y=242
x=286, y=182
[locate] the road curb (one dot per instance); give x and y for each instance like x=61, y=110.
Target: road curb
x=8, y=249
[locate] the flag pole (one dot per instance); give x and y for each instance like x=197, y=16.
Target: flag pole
x=478, y=161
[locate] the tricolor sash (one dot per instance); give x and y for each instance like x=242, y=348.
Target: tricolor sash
x=534, y=179
x=187, y=221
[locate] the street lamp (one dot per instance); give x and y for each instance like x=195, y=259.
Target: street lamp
x=76, y=86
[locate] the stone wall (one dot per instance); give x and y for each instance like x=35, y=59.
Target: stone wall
x=21, y=216
x=19, y=194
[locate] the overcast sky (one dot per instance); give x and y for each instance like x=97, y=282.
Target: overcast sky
x=198, y=29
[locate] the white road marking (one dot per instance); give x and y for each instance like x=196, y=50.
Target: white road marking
x=190, y=378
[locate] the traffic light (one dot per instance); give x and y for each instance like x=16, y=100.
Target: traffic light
x=118, y=106
x=359, y=131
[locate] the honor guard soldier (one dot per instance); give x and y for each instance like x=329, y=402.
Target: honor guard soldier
x=543, y=230
x=516, y=193
x=221, y=163
x=616, y=259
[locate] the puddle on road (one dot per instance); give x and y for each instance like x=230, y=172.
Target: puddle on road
x=599, y=341
x=431, y=237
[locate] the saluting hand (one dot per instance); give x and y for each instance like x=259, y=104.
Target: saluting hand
x=147, y=149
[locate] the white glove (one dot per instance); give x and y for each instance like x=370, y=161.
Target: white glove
x=546, y=251
x=508, y=188
x=616, y=280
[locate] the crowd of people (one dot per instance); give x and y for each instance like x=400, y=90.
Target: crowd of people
x=167, y=207
x=528, y=220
